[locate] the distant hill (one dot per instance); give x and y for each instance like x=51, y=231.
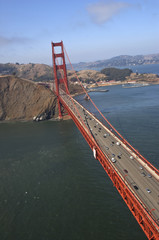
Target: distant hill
x=31, y=71
x=116, y=74
x=43, y=72
x=123, y=60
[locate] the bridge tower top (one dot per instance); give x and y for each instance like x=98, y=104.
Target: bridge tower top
x=59, y=67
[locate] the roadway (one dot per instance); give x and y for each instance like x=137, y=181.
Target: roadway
x=140, y=180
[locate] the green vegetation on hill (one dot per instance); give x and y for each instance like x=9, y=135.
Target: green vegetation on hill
x=116, y=74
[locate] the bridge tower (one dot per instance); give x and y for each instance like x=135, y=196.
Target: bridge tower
x=60, y=73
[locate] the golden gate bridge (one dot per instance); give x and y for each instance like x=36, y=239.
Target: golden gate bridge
x=122, y=162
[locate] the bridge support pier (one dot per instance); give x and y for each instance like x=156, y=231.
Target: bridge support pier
x=60, y=74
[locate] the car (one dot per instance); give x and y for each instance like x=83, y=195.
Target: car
x=118, y=143
x=113, y=142
x=141, y=167
x=113, y=154
x=105, y=135
x=148, y=190
x=126, y=171
x=99, y=128
x=113, y=160
x=96, y=134
x=149, y=175
x=119, y=157
x=143, y=174
x=136, y=187
x=131, y=157
x=95, y=126
x=119, y=154
x=107, y=148
x=96, y=123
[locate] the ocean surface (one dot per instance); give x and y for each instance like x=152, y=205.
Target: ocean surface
x=147, y=68
x=52, y=188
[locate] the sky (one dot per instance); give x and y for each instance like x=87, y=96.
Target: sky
x=91, y=30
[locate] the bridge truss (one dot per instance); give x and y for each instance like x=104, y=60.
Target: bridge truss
x=145, y=219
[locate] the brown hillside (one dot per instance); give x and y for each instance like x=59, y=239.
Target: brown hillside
x=34, y=72
x=23, y=99
x=86, y=76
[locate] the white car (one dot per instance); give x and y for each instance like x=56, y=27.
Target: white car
x=118, y=143
x=131, y=157
x=113, y=160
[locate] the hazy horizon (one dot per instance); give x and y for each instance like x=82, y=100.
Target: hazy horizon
x=90, y=29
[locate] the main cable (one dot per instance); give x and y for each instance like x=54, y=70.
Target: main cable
x=122, y=138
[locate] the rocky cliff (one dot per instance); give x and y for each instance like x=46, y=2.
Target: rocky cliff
x=23, y=100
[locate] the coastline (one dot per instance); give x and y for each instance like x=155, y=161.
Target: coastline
x=123, y=82
x=92, y=86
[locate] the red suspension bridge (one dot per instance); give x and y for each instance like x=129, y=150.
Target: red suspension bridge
x=134, y=177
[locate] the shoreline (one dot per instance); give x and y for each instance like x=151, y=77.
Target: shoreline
x=124, y=82
x=114, y=84
x=67, y=117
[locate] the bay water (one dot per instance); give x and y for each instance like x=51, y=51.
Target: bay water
x=51, y=187
x=145, y=68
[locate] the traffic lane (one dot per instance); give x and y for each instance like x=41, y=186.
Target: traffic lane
x=112, y=138
x=135, y=174
x=86, y=117
x=125, y=150
x=116, y=149
x=149, y=201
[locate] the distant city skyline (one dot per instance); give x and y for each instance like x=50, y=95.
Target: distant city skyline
x=91, y=30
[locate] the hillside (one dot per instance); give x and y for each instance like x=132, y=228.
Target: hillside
x=23, y=99
x=86, y=76
x=42, y=72
x=123, y=60
x=116, y=74
x=34, y=72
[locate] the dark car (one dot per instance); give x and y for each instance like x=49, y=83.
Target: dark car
x=136, y=187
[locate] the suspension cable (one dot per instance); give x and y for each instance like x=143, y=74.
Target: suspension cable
x=122, y=138
x=72, y=100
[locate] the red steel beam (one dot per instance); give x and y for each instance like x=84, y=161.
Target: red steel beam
x=145, y=221
x=56, y=67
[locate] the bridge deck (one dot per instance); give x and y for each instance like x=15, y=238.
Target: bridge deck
x=141, y=180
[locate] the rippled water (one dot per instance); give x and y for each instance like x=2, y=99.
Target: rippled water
x=51, y=187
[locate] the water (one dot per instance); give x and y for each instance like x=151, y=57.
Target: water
x=147, y=68
x=51, y=187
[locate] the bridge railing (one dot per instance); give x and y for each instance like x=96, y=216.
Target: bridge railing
x=140, y=208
